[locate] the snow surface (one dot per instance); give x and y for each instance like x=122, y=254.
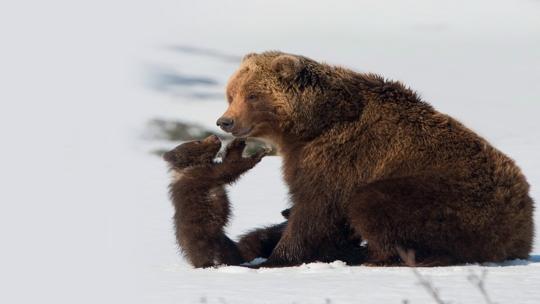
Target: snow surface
x=84, y=214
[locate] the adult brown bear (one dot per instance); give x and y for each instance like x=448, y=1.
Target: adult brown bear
x=365, y=159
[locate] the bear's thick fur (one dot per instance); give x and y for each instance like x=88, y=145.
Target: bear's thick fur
x=366, y=160
x=202, y=208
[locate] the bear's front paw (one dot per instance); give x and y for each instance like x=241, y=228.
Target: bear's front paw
x=234, y=150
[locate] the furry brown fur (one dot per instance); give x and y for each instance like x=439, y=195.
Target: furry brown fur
x=201, y=204
x=260, y=242
x=365, y=159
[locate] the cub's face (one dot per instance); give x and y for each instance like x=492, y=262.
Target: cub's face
x=193, y=153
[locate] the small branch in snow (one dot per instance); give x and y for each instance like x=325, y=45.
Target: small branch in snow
x=408, y=258
x=478, y=281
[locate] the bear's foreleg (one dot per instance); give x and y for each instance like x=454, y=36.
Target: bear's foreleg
x=305, y=241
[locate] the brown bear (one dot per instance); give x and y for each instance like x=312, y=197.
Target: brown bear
x=367, y=161
x=202, y=208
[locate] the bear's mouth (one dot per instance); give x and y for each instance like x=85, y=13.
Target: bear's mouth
x=246, y=132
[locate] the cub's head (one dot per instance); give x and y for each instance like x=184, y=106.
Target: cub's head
x=193, y=153
x=279, y=97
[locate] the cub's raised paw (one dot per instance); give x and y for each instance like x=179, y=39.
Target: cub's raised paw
x=257, y=156
x=234, y=150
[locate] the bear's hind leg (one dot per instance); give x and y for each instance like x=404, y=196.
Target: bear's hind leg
x=260, y=242
x=227, y=252
x=417, y=213
x=199, y=250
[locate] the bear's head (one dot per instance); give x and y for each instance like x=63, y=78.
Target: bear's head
x=193, y=153
x=282, y=98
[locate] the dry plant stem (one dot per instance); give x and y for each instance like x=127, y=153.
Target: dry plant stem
x=478, y=281
x=408, y=258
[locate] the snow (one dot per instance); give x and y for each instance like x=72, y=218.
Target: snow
x=84, y=214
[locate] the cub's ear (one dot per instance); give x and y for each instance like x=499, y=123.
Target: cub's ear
x=247, y=56
x=287, y=66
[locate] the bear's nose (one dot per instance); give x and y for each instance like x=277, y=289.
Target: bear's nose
x=225, y=124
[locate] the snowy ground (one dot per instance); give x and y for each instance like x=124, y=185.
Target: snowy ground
x=84, y=212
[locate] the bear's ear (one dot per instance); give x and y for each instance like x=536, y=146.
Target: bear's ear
x=247, y=56
x=287, y=66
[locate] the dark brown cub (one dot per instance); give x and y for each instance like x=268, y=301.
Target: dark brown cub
x=202, y=208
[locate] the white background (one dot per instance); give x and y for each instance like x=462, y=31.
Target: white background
x=84, y=213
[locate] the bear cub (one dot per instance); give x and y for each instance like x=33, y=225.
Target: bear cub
x=202, y=208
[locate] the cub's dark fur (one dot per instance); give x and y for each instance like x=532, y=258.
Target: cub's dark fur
x=201, y=204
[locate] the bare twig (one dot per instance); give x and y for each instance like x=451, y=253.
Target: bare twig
x=478, y=281
x=408, y=258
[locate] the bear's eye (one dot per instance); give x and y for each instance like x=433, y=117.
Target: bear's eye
x=197, y=141
x=253, y=97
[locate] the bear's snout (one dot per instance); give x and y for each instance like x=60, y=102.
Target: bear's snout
x=225, y=124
